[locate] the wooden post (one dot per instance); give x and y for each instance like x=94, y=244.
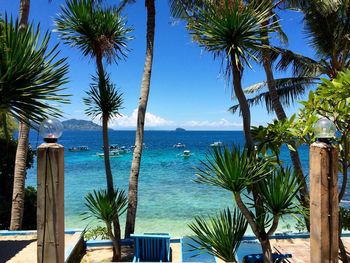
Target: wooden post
x=50, y=203
x=324, y=205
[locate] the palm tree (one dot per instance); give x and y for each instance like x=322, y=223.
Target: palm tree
x=21, y=152
x=231, y=31
x=100, y=33
x=141, y=114
x=106, y=207
x=30, y=77
x=238, y=171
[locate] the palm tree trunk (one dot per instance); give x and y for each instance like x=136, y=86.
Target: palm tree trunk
x=267, y=251
x=21, y=152
x=19, y=178
x=281, y=115
x=242, y=100
x=24, y=12
x=145, y=88
x=108, y=170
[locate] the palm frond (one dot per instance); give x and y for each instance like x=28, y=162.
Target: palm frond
x=280, y=191
x=219, y=235
x=105, y=207
x=230, y=30
x=31, y=75
x=103, y=98
x=232, y=170
x=288, y=89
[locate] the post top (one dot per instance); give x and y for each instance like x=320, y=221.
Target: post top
x=322, y=145
x=50, y=145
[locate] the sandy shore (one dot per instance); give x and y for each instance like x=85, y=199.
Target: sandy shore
x=22, y=248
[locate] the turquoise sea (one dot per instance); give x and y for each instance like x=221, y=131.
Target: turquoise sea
x=168, y=196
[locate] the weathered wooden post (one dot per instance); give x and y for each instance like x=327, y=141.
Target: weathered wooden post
x=50, y=198
x=324, y=205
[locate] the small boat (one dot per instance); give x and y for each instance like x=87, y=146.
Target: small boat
x=185, y=154
x=123, y=149
x=217, y=144
x=111, y=154
x=179, y=145
x=78, y=149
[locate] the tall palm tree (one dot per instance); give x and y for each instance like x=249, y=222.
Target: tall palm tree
x=100, y=33
x=141, y=114
x=29, y=78
x=21, y=152
x=232, y=32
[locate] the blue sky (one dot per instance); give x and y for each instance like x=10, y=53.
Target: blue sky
x=187, y=87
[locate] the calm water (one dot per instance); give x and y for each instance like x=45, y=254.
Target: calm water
x=168, y=197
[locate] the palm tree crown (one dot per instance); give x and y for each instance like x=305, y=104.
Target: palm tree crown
x=30, y=75
x=94, y=29
x=230, y=30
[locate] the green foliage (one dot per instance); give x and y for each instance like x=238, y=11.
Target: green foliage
x=105, y=207
x=273, y=136
x=232, y=170
x=279, y=192
x=7, y=125
x=93, y=29
x=98, y=232
x=7, y=164
x=30, y=75
x=344, y=214
x=219, y=235
x=230, y=30
x=103, y=98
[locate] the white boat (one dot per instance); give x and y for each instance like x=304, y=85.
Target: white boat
x=179, y=145
x=111, y=154
x=217, y=144
x=186, y=154
x=78, y=149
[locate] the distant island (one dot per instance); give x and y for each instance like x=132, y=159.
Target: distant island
x=180, y=130
x=80, y=125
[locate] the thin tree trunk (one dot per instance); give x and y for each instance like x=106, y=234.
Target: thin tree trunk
x=19, y=178
x=242, y=100
x=267, y=251
x=24, y=12
x=145, y=88
x=21, y=152
x=108, y=170
x=281, y=115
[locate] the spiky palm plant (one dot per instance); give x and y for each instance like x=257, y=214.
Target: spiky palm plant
x=31, y=79
x=231, y=32
x=100, y=33
x=30, y=75
x=107, y=207
x=238, y=171
x=219, y=235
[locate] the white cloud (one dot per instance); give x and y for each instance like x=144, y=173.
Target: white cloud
x=152, y=120
x=221, y=124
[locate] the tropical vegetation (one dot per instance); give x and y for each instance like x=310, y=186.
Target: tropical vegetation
x=99, y=32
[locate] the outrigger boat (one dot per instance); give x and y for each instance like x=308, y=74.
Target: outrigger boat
x=78, y=149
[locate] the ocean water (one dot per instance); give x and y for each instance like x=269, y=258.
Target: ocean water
x=168, y=196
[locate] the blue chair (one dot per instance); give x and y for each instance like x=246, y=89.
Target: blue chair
x=259, y=258
x=151, y=247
